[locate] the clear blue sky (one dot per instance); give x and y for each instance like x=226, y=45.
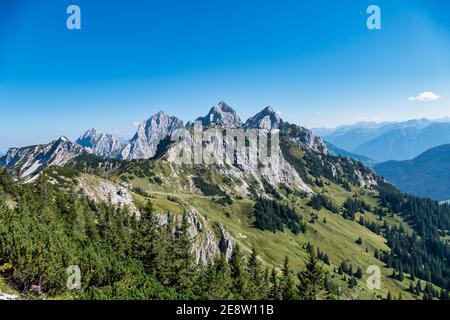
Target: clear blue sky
x=315, y=61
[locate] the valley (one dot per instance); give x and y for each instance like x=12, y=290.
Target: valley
x=341, y=212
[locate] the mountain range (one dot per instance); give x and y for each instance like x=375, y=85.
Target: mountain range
x=427, y=175
x=389, y=141
x=342, y=153
x=309, y=198
x=30, y=161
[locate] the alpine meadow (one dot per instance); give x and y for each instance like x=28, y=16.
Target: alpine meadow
x=247, y=153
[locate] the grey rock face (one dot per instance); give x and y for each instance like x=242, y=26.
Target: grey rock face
x=108, y=192
x=227, y=242
x=304, y=138
x=221, y=116
x=5, y=297
x=102, y=145
x=206, y=246
x=30, y=161
x=267, y=119
x=149, y=134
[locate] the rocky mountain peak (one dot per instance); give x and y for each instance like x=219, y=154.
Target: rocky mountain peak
x=150, y=133
x=30, y=161
x=267, y=119
x=222, y=116
x=102, y=145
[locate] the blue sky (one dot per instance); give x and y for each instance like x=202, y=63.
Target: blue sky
x=315, y=61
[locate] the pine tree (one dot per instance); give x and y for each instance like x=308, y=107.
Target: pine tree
x=217, y=280
x=288, y=291
x=359, y=273
x=444, y=295
x=184, y=264
x=389, y=296
x=238, y=273
x=401, y=276
x=326, y=260
x=311, y=279
x=255, y=276
x=352, y=283
x=419, y=287
x=275, y=292
x=411, y=288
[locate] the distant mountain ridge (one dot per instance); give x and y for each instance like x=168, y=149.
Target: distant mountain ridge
x=153, y=139
x=145, y=142
x=29, y=161
x=101, y=144
x=388, y=140
x=427, y=175
x=221, y=116
x=405, y=143
x=342, y=153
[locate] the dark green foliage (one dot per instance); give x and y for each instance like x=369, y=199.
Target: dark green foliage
x=323, y=257
x=319, y=201
x=389, y=296
x=354, y=205
x=270, y=190
x=141, y=192
x=352, y=282
x=311, y=279
x=423, y=253
x=359, y=273
x=287, y=284
x=274, y=216
x=225, y=201
x=239, y=274
x=206, y=188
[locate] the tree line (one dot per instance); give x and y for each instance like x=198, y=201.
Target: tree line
x=121, y=256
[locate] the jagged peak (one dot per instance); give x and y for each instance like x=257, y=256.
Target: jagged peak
x=265, y=119
x=63, y=139
x=223, y=106
x=91, y=132
x=159, y=114
x=267, y=109
x=222, y=116
x=158, y=117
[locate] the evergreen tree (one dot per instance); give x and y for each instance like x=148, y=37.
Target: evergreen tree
x=287, y=283
x=389, y=296
x=217, y=280
x=311, y=279
x=352, y=283
x=275, y=290
x=411, y=288
x=184, y=268
x=255, y=276
x=359, y=273
x=238, y=273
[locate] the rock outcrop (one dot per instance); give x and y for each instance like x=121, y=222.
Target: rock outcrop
x=149, y=134
x=5, y=296
x=101, y=144
x=221, y=116
x=101, y=190
x=267, y=119
x=206, y=245
x=28, y=162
